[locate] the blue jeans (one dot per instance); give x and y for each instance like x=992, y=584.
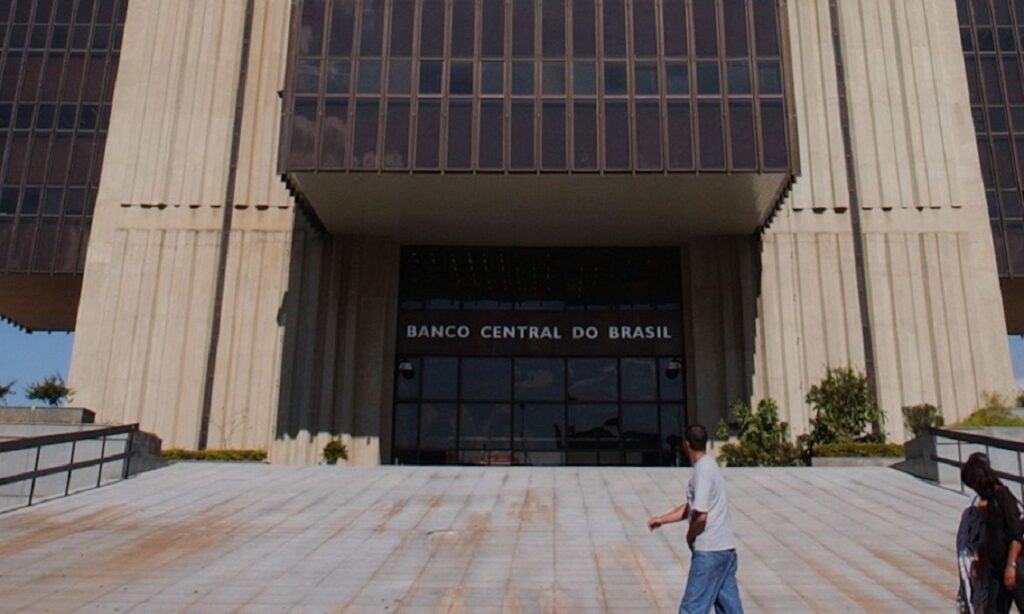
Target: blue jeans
x=712, y=581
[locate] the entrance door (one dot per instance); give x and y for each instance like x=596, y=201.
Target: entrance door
x=539, y=411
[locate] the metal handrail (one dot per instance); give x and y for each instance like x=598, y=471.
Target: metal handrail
x=960, y=437
x=42, y=441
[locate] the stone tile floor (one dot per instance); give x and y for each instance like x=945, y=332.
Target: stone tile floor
x=208, y=537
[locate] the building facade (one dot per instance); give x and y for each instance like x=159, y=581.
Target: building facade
x=524, y=231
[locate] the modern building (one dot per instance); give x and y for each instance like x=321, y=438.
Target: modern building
x=529, y=231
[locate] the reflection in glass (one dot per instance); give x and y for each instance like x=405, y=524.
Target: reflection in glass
x=522, y=78
x=399, y=76
x=342, y=21
x=640, y=426
x=461, y=78
x=593, y=426
x=645, y=75
x=538, y=426
x=369, y=77
x=593, y=379
x=539, y=379
x=584, y=78
x=339, y=75
x=492, y=78
x=437, y=426
x=430, y=77
x=672, y=427
x=639, y=379
x=485, y=426
x=554, y=79
x=486, y=379
x=364, y=142
x=307, y=77
x=615, y=78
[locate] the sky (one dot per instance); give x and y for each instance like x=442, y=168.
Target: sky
x=28, y=358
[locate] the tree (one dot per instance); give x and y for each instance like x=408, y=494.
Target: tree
x=845, y=411
x=5, y=390
x=51, y=390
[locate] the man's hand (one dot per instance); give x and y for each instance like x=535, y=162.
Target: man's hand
x=1010, y=577
x=654, y=522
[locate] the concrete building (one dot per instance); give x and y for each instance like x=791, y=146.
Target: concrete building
x=537, y=231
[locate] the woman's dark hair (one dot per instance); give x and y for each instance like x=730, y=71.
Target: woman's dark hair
x=978, y=474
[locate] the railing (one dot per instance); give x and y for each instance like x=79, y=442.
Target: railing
x=1004, y=455
x=49, y=466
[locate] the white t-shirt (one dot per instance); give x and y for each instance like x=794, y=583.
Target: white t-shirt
x=706, y=493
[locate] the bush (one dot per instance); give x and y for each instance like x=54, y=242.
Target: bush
x=215, y=455
x=334, y=451
x=995, y=411
x=1020, y=399
x=844, y=409
x=51, y=390
x=859, y=449
x=5, y=390
x=920, y=418
x=763, y=439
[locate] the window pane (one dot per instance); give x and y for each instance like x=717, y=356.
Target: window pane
x=614, y=14
x=428, y=134
x=463, y=23
x=773, y=134
x=432, y=28
x=734, y=18
x=461, y=78
x=401, y=27
x=646, y=75
x=707, y=79
x=522, y=78
x=1011, y=72
x=521, y=132
x=648, y=135
x=440, y=379
x=553, y=131
x=677, y=78
x=553, y=28
x=396, y=135
x=486, y=379
x=645, y=34
x=674, y=27
x=430, y=77
x=593, y=379
x=705, y=28
x=342, y=20
x=616, y=142
x=741, y=134
x=485, y=426
x=492, y=78
x=522, y=28
x=307, y=77
x=738, y=74
x=539, y=426
x=334, y=140
x=369, y=77
x=399, y=76
x=339, y=75
x=372, y=29
x=491, y=139
x=539, y=379
x=437, y=427
x=364, y=146
x=639, y=379
x=765, y=28
x=408, y=388
x=670, y=380
x=583, y=29
x=584, y=79
x=554, y=79
x=302, y=152
x=460, y=134
x=640, y=426
x=615, y=78
x=712, y=154
x=672, y=428
x=680, y=145
x=769, y=76
x=406, y=427
x=594, y=426
x=585, y=135
x=311, y=27
x=492, y=38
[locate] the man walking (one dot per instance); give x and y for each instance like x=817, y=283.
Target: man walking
x=712, y=579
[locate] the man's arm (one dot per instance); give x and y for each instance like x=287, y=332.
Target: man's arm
x=700, y=520
x=675, y=515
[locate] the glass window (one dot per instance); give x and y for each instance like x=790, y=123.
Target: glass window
x=334, y=144
x=741, y=135
x=342, y=22
x=671, y=427
x=583, y=27
x=432, y=28
x=372, y=29
x=440, y=379
x=30, y=201
x=766, y=29
x=648, y=135
x=430, y=77
x=616, y=142
x=585, y=136
x=639, y=379
x=712, y=151
x=593, y=379
x=773, y=135
x=460, y=134
x=645, y=30
x=522, y=28
x=614, y=13
x=738, y=75
x=462, y=32
x=674, y=27
x=491, y=140
x=396, y=135
x=539, y=426
x=486, y=379
x=461, y=78
x=705, y=28
x=584, y=78
x=364, y=142
x=307, y=77
x=399, y=76
x=640, y=426
x=485, y=426
x=407, y=387
x=406, y=427
x=670, y=374
x=302, y=134
x=553, y=32
x=339, y=75
x=539, y=379
x=522, y=78
x=369, y=77
x=554, y=79
x=8, y=201
x=615, y=78
x=734, y=19
x=428, y=134
x=553, y=133
x=769, y=76
x=311, y=29
x=401, y=27
x=594, y=425
x=707, y=79
x=1015, y=246
x=492, y=78
x=646, y=78
x=680, y=145
x=521, y=133
x=677, y=78
x=437, y=427
x=492, y=38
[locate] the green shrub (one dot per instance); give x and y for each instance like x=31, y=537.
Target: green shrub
x=1020, y=399
x=994, y=411
x=844, y=409
x=5, y=390
x=920, y=418
x=334, y=451
x=215, y=455
x=859, y=449
x=763, y=440
x=50, y=390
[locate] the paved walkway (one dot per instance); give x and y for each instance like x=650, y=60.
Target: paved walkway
x=207, y=537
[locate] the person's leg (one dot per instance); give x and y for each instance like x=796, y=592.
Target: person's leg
x=702, y=584
x=728, y=599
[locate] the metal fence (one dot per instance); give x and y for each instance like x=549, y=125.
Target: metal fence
x=952, y=449
x=34, y=469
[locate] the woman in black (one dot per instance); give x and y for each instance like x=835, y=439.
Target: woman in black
x=1004, y=533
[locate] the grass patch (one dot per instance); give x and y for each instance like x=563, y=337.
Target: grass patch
x=872, y=450
x=238, y=456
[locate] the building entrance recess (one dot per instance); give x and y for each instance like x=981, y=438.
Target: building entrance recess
x=539, y=356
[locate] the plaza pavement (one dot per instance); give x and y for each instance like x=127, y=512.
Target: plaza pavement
x=209, y=537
